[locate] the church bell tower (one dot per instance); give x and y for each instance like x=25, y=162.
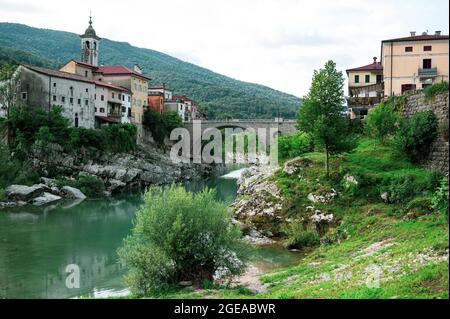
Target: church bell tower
x=89, y=45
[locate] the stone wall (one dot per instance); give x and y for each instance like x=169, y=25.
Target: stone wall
x=438, y=157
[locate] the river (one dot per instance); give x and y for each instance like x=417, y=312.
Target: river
x=37, y=244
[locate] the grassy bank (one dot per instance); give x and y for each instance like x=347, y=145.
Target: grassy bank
x=396, y=248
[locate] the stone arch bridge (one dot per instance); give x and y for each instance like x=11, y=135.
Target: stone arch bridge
x=282, y=126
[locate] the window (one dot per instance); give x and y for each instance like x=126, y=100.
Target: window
x=86, y=102
x=95, y=109
x=24, y=96
x=120, y=96
x=408, y=49
x=356, y=78
x=427, y=48
x=54, y=98
x=379, y=78
x=63, y=99
x=71, y=100
x=79, y=101
x=102, y=110
x=86, y=73
x=124, y=109
x=112, y=94
x=367, y=78
x=71, y=91
x=427, y=63
x=54, y=84
x=87, y=90
x=129, y=99
x=102, y=97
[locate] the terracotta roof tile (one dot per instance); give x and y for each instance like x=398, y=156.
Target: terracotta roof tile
x=59, y=74
x=424, y=37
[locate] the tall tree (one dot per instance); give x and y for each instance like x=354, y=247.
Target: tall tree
x=322, y=112
x=9, y=81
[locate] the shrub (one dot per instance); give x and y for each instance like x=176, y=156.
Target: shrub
x=121, y=137
x=298, y=237
x=160, y=125
x=82, y=137
x=2, y=194
x=415, y=137
x=44, y=136
x=89, y=185
x=294, y=145
x=180, y=236
x=431, y=91
x=421, y=204
x=381, y=121
x=441, y=197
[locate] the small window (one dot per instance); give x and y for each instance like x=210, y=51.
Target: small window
x=54, y=98
x=129, y=99
x=87, y=90
x=112, y=94
x=120, y=96
x=63, y=99
x=95, y=109
x=428, y=48
x=367, y=78
x=124, y=109
x=379, y=78
x=71, y=91
x=54, y=84
x=427, y=63
x=102, y=97
x=86, y=73
x=86, y=102
x=79, y=101
x=408, y=49
x=24, y=96
x=71, y=100
x=356, y=78
x=102, y=110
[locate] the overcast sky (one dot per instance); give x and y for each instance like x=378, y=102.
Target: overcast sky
x=277, y=43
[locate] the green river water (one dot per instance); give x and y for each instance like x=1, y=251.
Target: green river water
x=37, y=244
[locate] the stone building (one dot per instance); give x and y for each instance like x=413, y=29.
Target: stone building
x=45, y=88
x=112, y=104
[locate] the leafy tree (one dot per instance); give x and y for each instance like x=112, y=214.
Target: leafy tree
x=161, y=124
x=382, y=121
x=416, y=136
x=321, y=114
x=180, y=236
x=9, y=81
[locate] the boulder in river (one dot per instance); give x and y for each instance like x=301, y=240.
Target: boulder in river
x=45, y=199
x=72, y=193
x=24, y=193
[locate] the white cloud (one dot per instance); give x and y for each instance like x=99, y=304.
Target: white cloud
x=272, y=42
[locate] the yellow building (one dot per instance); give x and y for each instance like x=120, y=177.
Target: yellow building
x=414, y=62
x=365, y=88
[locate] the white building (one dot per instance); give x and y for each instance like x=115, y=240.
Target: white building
x=112, y=104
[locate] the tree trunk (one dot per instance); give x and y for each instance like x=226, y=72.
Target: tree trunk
x=327, y=163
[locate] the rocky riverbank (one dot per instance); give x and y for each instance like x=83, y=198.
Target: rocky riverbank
x=119, y=173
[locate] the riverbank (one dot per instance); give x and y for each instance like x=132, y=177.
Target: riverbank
x=60, y=174
x=371, y=229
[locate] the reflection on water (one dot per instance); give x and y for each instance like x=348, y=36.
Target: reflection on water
x=37, y=243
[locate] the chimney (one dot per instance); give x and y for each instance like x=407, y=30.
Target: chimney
x=413, y=33
x=137, y=68
x=438, y=33
x=374, y=59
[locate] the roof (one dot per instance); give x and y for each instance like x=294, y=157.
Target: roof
x=423, y=37
x=111, y=86
x=90, y=32
x=182, y=97
x=59, y=74
x=376, y=66
x=159, y=87
x=118, y=70
x=88, y=65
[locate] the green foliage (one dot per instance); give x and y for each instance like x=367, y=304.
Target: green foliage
x=14, y=171
x=44, y=136
x=321, y=114
x=416, y=136
x=298, y=237
x=89, y=185
x=180, y=236
x=2, y=194
x=290, y=146
x=381, y=121
x=441, y=198
x=220, y=96
x=431, y=91
x=161, y=124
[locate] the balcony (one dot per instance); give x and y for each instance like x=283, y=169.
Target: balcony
x=431, y=72
x=363, y=101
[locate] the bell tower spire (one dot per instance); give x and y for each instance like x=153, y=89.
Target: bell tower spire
x=90, y=45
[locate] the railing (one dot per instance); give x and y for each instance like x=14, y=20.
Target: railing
x=428, y=72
